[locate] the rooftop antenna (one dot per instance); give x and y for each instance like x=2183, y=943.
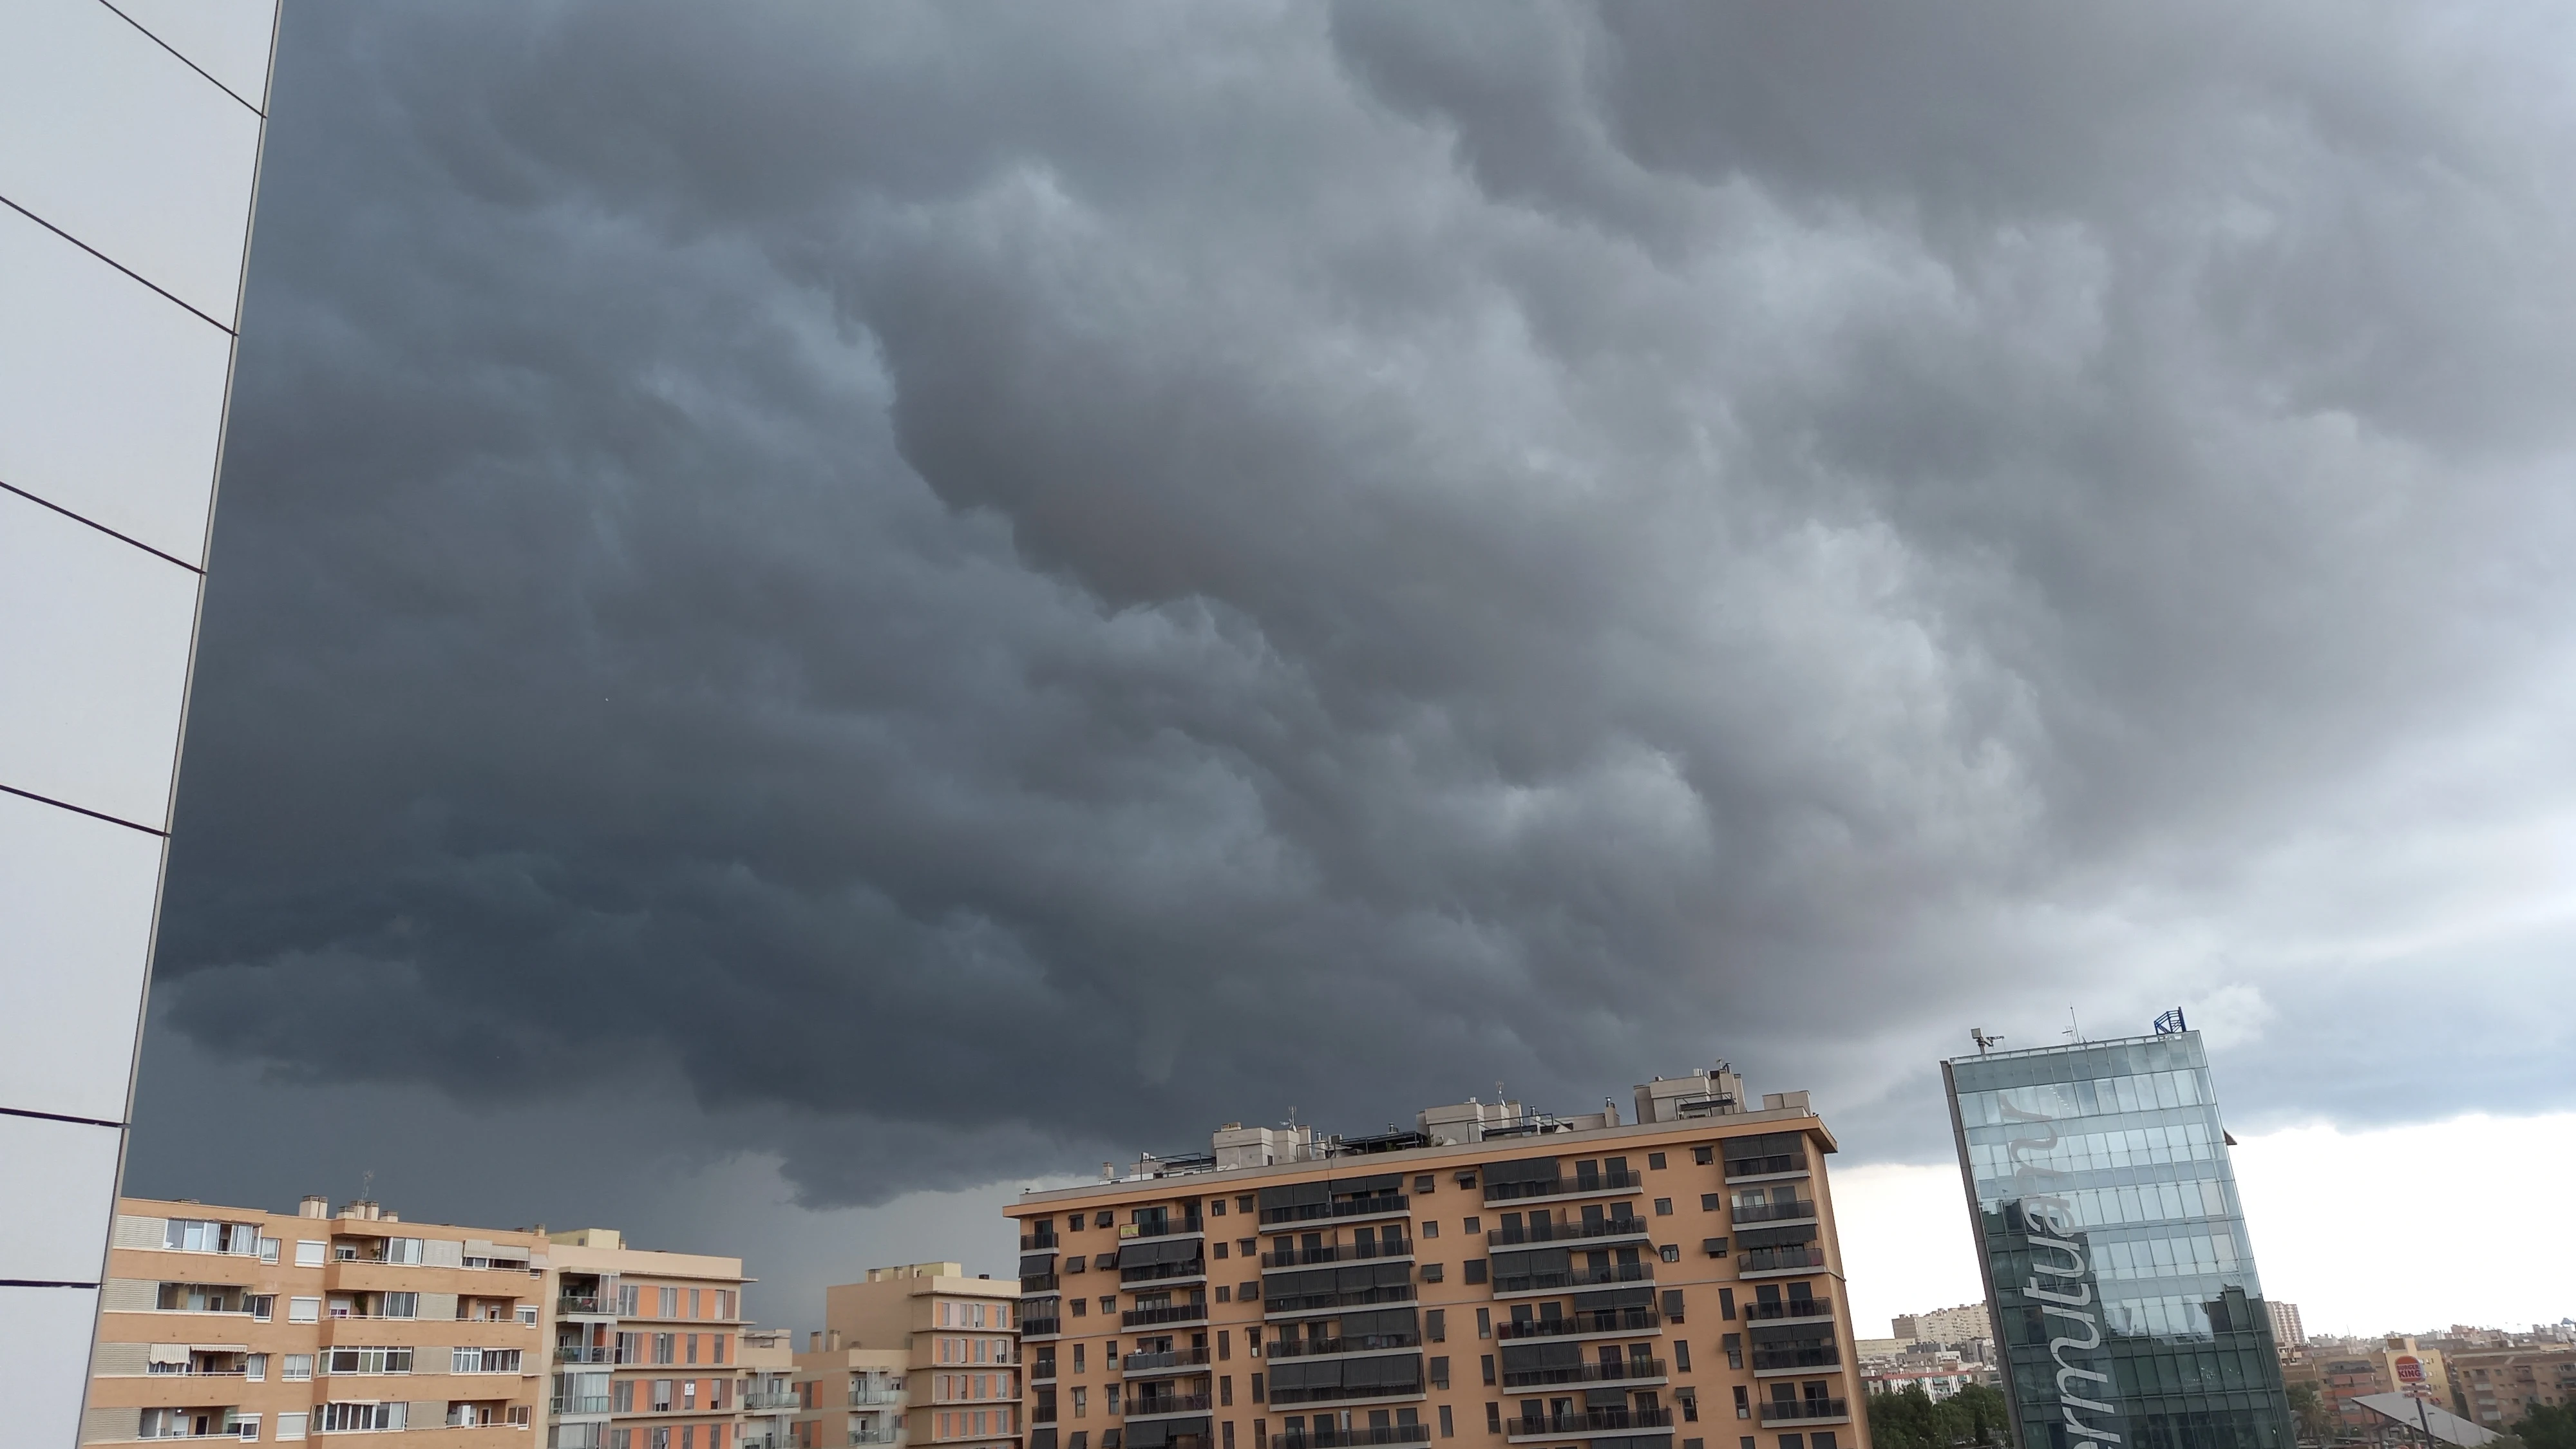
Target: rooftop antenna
x=1984, y=1042
x=2074, y=1028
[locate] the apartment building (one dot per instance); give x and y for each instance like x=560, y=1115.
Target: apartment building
x=1967, y=1323
x=848, y=1395
x=646, y=1346
x=1494, y=1275
x=960, y=1341
x=2287, y=1331
x=2499, y=1387
x=769, y=1398
x=273, y=1327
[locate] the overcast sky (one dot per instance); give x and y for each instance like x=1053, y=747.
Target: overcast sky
x=814, y=606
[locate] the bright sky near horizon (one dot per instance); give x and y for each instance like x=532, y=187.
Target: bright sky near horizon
x=2326, y=1210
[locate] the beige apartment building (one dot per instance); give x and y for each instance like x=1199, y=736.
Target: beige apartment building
x=1494, y=1275
x=269, y=1327
x=849, y=1395
x=959, y=1342
x=646, y=1346
x=2497, y=1388
x=769, y=1399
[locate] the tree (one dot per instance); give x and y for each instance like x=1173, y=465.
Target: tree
x=2316, y=1418
x=1904, y=1420
x=2545, y=1427
x=1979, y=1415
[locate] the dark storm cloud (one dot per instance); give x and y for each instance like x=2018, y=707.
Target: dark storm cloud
x=979, y=587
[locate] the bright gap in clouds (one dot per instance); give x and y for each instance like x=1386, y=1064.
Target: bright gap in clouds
x=2329, y=1212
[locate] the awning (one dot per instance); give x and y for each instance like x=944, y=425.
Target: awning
x=169, y=1353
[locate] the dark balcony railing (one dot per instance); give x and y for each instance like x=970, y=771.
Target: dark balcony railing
x=1346, y=1253
x=1795, y=1308
x=1364, y=1343
x=1617, y=1320
x=1358, y=1207
x=1778, y=1260
x=1554, y=1232
x=1041, y=1327
x=1390, y=1293
x=1821, y=1356
x=1327, y=1393
x=1170, y=1358
x=1169, y=1313
x=580, y=1353
x=1034, y=1242
x=1624, y=1371
x=1594, y=1421
x=1763, y=1166
x=1149, y=1272
x=1168, y=1227
x=1775, y=1212
x=1354, y=1438
x=1039, y=1283
x=1791, y=1411
x=1573, y=1278
x=1042, y=1416
x=1150, y=1404
x=1620, y=1181
x=585, y=1303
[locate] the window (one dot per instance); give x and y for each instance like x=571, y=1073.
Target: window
x=621, y=1396
x=670, y=1303
x=1670, y=1252
x=1221, y=1250
x=303, y=1310
x=1708, y=1202
x=1484, y=1323
x=1690, y=1404
x=629, y=1304
x=402, y=1250
x=1216, y=1207
x=692, y=1344
x=1704, y=1156
x=1224, y=1344
x=1793, y=1441
x=1655, y=1161
x=1108, y=1303
x=1487, y=1361
x=1431, y=1272
x=1493, y=1417
x=1431, y=1230
x=290, y=1426
x=1244, y=1247
x=1681, y=1354
x=1435, y=1325
x=1448, y=1425
x=296, y=1366
x=1440, y=1371
x=717, y=1342
x=1733, y=1343
x=1081, y=1306
x=1224, y=1294
x=268, y=1250
x=1472, y=1226
x=693, y=1302
x=350, y=1418
x=1743, y=1400
x=1821, y=1439
x=661, y=1400
x=1663, y=1207
x=1102, y=1218
x=1474, y=1272
x=1725, y=1297
x=368, y=1361
x=664, y=1344
x=1673, y=1305
x=1109, y=1398
x=401, y=1305
x=262, y=1306
x=1243, y=1204
x=1081, y=1401
x=307, y=1255
x=1256, y=1388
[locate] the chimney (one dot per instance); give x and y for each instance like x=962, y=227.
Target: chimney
x=313, y=1205
x=814, y=1340
x=832, y=1339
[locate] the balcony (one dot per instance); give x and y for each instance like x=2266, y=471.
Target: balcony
x=876, y=1436
x=1806, y=1411
x=1590, y=1421
x=1167, y=1228
x=1320, y=1302
x=1038, y=1242
x=1615, y=1321
x=1775, y=1212
x=1161, y=1405
x=1347, y=1253
x=579, y=1403
x=1039, y=1283
x=1799, y=1259
x=1381, y=1205
x=1782, y=1164
x=1041, y=1327
x=1554, y=1232
x=590, y=1303
x=1572, y=1279
x=1354, y=1438
x=1796, y=1310
x=1168, y=1361
x=1627, y=1371
x=1170, y=1313
x=1193, y=1270
x=1796, y=1359
x=1318, y=1347
x=1583, y=1185
x=579, y=1353
x=780, y=1403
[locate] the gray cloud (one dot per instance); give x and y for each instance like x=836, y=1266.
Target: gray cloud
x=946, y=592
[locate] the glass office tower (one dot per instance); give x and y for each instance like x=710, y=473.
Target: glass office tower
x=2125, y=1301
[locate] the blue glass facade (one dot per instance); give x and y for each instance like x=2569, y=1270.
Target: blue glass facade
x=2126, y=1306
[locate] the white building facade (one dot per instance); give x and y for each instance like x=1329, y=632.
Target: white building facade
x=129, y=156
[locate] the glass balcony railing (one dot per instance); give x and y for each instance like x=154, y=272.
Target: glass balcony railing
x=1555, y=1232
x=1354, y=1438
x=1357, y=1207
x=1169, y=1313
x=1622, y=1180
x=1780, y=1260
x=1793, y=1411
x=1626, y=1370
x=1775, y=1212
x=1791, y=1310
x=1163, y=1361
x=1593, y=1421
x=1343, y=1253
x=1358, y=1343
x=1778, y=1162
x=1617, y=1320
x=1573, y=1278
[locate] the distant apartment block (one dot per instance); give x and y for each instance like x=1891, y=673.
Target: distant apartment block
x=1494, y=1275
x=268, y=1327
x=769, y=1398
x=1967, y=1323
x=2287, y=1331
x=2499, y=1387
x=645, y=1346
x=958, y=1380
x=846, y=1395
